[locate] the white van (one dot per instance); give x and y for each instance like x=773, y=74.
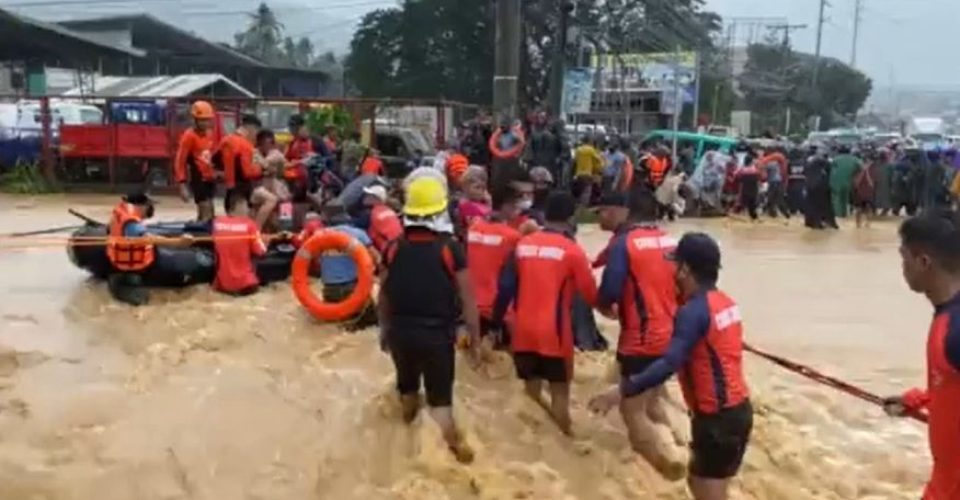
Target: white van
x=63, y=113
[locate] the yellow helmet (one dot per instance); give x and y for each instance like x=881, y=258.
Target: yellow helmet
x=425, y=196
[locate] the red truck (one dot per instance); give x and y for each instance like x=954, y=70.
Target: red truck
x=136, y=145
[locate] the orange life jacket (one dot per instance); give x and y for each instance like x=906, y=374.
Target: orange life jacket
x=126, y=254
x=658, y=169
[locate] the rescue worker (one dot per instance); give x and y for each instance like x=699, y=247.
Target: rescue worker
x=657, y=165
x=930, y=254
x=236, y=241
x=706, y=352
x=455, y=166
x=424, y=288
x=242, y=174
x=540, y=280
x=300, y=151
x=384, y=225
x=490, y=241
x=338, y=271
x=372, y=164
x=638, y=289
x=192, y=167
x=132, y=252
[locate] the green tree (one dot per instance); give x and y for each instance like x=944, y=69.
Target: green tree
x=299, y=54
x=776, y=78
x=444, y=48
x=263, y=37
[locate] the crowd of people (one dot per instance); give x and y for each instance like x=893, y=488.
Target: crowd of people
x=485, y=257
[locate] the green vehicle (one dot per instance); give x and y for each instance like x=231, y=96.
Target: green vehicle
x=701, y=142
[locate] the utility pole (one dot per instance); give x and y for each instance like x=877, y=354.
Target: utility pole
x=507, y=59
x=820, y=21
x=559, y=61
x=857, y=18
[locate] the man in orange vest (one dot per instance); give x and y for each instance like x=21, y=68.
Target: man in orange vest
x=130, y=252
x=372, y=164
x=385, y=225
x=193, y=166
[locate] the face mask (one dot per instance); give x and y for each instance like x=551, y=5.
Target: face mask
x=525, y=205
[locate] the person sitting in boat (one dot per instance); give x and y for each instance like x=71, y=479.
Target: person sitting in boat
x=272, y=161
x=133, y=253
x=237, y=240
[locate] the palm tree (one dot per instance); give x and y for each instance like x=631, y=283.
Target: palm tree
x=262, y=37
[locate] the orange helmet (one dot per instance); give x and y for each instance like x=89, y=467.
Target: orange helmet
x=202, y=110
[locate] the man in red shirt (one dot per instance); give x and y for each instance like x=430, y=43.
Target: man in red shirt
x=638, y=290
x=240, y=171
x=540, y=280
x=490, y=242
x=192, y=167
x=930, y=253
x=706, y=352
x=372, y=164
x=385, y=225
x=237, y=240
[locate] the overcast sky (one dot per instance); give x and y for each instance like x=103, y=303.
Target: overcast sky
x=906, y=42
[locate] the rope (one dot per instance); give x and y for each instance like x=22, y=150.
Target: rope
x=8, y=242
x=829, y=381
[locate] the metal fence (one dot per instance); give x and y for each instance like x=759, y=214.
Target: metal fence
x=120, y=141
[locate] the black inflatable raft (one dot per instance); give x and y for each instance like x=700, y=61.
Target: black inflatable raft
x=175, y=267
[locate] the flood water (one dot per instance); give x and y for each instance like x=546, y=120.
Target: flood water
x=202, y=396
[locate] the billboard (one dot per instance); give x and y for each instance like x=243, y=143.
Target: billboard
x=655, y=71
x=577, y=91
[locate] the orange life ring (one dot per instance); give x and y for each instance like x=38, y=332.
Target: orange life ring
x=514, y=152
x=300, y=274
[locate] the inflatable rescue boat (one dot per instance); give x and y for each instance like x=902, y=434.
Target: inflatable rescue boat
x=181, y=266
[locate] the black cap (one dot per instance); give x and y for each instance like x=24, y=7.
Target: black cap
x=613, y=199
x=137, y=198
x=698, y=251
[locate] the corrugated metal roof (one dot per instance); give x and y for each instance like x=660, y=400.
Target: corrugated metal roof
x=60, y=30
x=159, y=86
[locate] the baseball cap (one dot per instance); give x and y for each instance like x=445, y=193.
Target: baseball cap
x=138, y=198
x=376, y=190
x=697, y=250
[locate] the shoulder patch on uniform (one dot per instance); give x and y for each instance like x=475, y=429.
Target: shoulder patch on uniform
x=727, y=317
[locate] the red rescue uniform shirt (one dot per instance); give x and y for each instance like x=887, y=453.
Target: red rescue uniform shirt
x=706, y=351
x=236, y=241
x=297, y=152
x=489, y=244
x=385, y=226
x=640, y=280
x=194, y=153
x=372, y=166
x=942, y=400
x=547, y=268
x=236, y=153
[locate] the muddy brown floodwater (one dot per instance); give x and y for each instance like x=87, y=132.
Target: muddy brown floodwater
x=201, y=396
